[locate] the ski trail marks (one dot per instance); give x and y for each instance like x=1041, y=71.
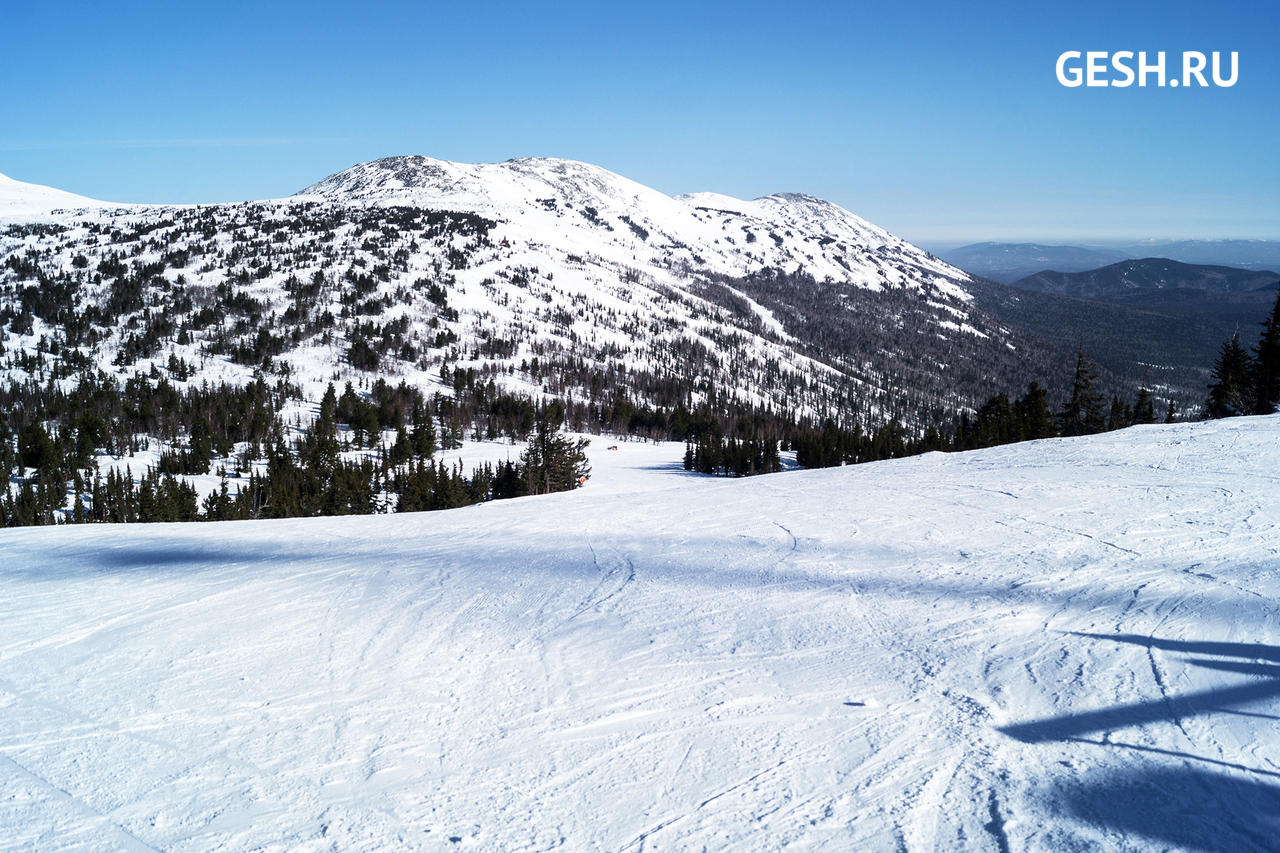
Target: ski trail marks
x=615, y=575
x=94, y=824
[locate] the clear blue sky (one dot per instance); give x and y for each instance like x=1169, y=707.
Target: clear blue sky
x=939, y=121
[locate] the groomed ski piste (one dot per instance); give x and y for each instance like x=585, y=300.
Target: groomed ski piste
x=1063, y=645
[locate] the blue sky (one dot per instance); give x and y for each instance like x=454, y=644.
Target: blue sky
x=938, y=121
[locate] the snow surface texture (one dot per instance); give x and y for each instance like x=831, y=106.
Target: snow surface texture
x=1061, y=645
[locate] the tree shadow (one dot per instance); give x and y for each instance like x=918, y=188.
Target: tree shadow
x=1252, y=651
x=1168, y=708
x=1186, y=807
x=1217, y=807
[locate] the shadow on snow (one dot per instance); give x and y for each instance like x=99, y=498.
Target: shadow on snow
x=1188, y=806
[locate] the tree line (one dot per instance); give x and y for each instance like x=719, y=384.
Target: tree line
x=1244, y=383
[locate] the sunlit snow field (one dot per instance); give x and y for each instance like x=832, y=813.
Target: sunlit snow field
x=1061, y=645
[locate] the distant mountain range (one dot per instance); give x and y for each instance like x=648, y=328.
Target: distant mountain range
x=1009, y=262
x=1123, y=281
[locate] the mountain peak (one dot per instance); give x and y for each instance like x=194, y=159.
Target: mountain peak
x=617, y=218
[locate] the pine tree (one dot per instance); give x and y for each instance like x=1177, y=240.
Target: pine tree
x=402, y=450
x=553, y=462
x=1083, y=414
x=423, y=436
x=1144, y=411
x=1266, y=364
x=1034, y=414
x=1231, y=391
x=1121, y=415
x=36, y=449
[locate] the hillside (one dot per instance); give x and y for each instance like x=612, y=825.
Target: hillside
x=1171, y=336
x=1136, y=278
x=540, y=276
x=1059, y=645
x=311, y=355
x=19, y=199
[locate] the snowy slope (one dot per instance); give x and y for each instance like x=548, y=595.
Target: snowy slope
x=570, y=265
x=1061, y=645
x=20, y=199
x=566, y=201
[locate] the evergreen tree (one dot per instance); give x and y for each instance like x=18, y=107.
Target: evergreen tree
x=402, y=450
x=423, y=436
x=201, y=455
x=1083, y=414
x=1231, y=391
x=1144, y=411
x=36, y=449
x=995, y=423
x=1035, y=416
x=1266, y=364
x=552, y=462
x=1121, y=415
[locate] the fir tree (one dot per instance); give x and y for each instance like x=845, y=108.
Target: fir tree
x=1035, y=416
x=1231, y=391
x=1121, y=415
x=552, y=462
x=1144, y=411
x=423, y=436
x=402, y=450
x=1083, y=414
x=1266, y=364
x=36, y=449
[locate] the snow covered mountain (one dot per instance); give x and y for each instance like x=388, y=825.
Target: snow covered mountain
x=566, y=203
x=1069, y=644
x=544, y=276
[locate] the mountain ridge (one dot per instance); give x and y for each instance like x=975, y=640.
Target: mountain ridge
x=550, y=276
x=587, y=201
x=1121, y=280
x=1008, y=262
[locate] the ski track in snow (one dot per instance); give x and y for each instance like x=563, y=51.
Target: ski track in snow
x=1060, y=645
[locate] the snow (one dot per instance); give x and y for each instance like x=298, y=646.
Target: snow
x=1070, y=644
x=20, y=199
x=545, y=199
x=580, y=259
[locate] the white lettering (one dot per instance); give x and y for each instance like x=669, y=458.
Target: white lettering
x=1076, y=77
x=1189, y=70
x=1124, y=69
x=1144, y=68
x=1093, y=69
x=1234, y=69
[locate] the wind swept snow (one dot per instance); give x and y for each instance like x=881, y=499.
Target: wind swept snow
x=20, y=199
x=1061, y=645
